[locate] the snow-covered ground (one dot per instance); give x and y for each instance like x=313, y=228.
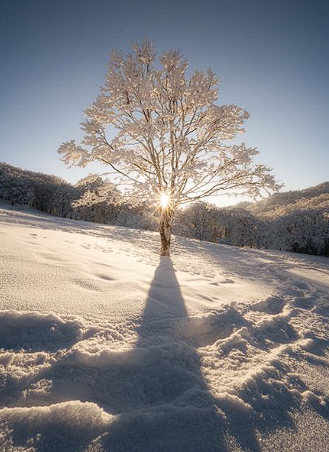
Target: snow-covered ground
x=105, y=346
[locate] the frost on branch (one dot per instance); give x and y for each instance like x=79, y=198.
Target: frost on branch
x=160, y=130
x=73, y=154
x=170, y=134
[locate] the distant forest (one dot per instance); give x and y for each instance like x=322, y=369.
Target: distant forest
x=292, y=221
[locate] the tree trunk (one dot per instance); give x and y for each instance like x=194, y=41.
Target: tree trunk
x=166, y=218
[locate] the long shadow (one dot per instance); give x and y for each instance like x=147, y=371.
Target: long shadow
x=191, y=418
x=157, y=390
x=178, y=411
x=164, y=302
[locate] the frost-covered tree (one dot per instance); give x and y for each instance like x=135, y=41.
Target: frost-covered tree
x=27, y=187
x=229, y=226
x=100, y=202
x=62, y=199
x=305, y=231
x=16, y=189
x=159, y=129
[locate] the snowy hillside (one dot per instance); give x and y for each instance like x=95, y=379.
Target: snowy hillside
x=107, y=347
x=286, y=202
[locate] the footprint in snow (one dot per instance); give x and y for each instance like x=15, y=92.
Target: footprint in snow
x=87, y=285
x=105, y=277
x=51, y=257
x=304, y=303
x=271, y=305
x=228, y=281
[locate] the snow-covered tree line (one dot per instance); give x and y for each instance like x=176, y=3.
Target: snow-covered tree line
x=305, y=230
x=26, y=187
x=91, y=199
x=301, y=231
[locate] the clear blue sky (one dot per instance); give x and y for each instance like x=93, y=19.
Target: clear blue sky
x=272, y=57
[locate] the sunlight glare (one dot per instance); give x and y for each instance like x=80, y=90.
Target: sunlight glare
x=164, y=200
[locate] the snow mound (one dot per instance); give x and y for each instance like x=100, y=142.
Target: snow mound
x=71, y=423
x=34, y=331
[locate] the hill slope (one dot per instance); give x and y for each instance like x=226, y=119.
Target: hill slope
x=283, y=203
x=107, y=347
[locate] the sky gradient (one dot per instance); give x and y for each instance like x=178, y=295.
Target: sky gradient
x=272, y=58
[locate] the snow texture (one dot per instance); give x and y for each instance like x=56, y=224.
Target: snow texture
x=105, y=346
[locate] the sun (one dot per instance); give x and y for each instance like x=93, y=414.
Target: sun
x=164, y=199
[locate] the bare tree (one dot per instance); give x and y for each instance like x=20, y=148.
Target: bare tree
x=160, y=130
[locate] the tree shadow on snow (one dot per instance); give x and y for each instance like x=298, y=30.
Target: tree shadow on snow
x=176, y=410
x=157, y=392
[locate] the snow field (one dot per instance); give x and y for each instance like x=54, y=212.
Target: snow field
x=107, y=347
